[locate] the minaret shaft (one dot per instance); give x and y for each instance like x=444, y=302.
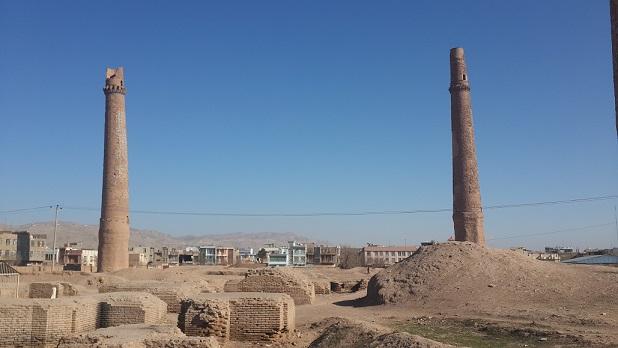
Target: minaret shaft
x=114, y=223
x=467, y=209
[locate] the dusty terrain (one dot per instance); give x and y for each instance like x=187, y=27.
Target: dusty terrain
x=454, y=293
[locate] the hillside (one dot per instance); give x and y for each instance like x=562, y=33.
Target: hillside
x=87, y=235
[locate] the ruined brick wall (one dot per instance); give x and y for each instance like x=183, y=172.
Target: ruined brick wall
x=42, y=322
x=238, y=316
x=169, y=293
x=122, y=308
x=321, y=287
x=205, y=317
x=15, y=324
x=232, y=285
x=277, y=280
x=137, y=336
x=45, y=290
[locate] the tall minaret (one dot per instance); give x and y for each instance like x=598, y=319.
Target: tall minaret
x=613, y=11
x=467, y=211
x=114, y=225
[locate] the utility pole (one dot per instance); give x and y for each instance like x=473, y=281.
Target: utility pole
x=616, y=220
x=54, y=243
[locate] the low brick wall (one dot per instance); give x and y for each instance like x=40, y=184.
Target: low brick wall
x=246, y=316
x=321, y=287
x=42, y=322
x=122, y=308
x=276, y=280
x=46, y=289
x=171, y=294
x=137, y=336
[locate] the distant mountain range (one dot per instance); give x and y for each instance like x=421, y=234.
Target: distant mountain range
x=87, y=236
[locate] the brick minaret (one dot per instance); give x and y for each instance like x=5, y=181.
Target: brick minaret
x=613, y=10
x=114, y=225
x=467, y=211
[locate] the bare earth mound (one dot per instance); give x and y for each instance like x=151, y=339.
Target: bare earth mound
x=460, y=274
x=349, y=333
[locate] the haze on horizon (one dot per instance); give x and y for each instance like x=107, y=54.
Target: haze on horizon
x=316, y=106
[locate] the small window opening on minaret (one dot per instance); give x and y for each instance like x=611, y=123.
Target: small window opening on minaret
x=464, y=77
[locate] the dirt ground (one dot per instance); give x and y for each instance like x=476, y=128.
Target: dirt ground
x=512, y=323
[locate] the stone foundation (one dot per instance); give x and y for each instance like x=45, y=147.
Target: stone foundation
x=276, y=280
x=137, y=336
x=248, y=316
x=169, y=293
x=42, y=322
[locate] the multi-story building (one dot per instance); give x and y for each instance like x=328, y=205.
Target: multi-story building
x=225, y=256
x=246, y=255
x=189, y=256
x=31, y=248
x=380, y=255
x=293, y=254
x=214, y=255
x=8, y=247
x=297, y=254
x=75, y=258
x=173, y=257
x=323, y=254
x=139, y=256
x=208, y=255
x=278, y=257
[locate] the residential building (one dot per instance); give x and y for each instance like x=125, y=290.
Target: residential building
x=8, y=247
x=246, y=255
x=173, y=257
x=213, y=255
x=31, y=248
x=326, y=255
x=297, y=254
x=294, y=254
x=75, y=258
x=139, y=256
x=225, y=256
x=380, y=255
x=539, y=255
x=189, y=256
x=278, y=257
x=208, y=255
x=559, y=250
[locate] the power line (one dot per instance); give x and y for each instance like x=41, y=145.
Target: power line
x=361, y=213
x=568, y=201
x=25, y=209
x=552, y=232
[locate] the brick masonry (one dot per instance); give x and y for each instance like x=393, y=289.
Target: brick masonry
x=171, y=294
x=46, y=289
x=247, y=316
x=137, y=336
x=42, y=322
x=321, y=287
x=275, y=280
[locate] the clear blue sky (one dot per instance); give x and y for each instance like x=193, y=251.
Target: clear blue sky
x=304, y=106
